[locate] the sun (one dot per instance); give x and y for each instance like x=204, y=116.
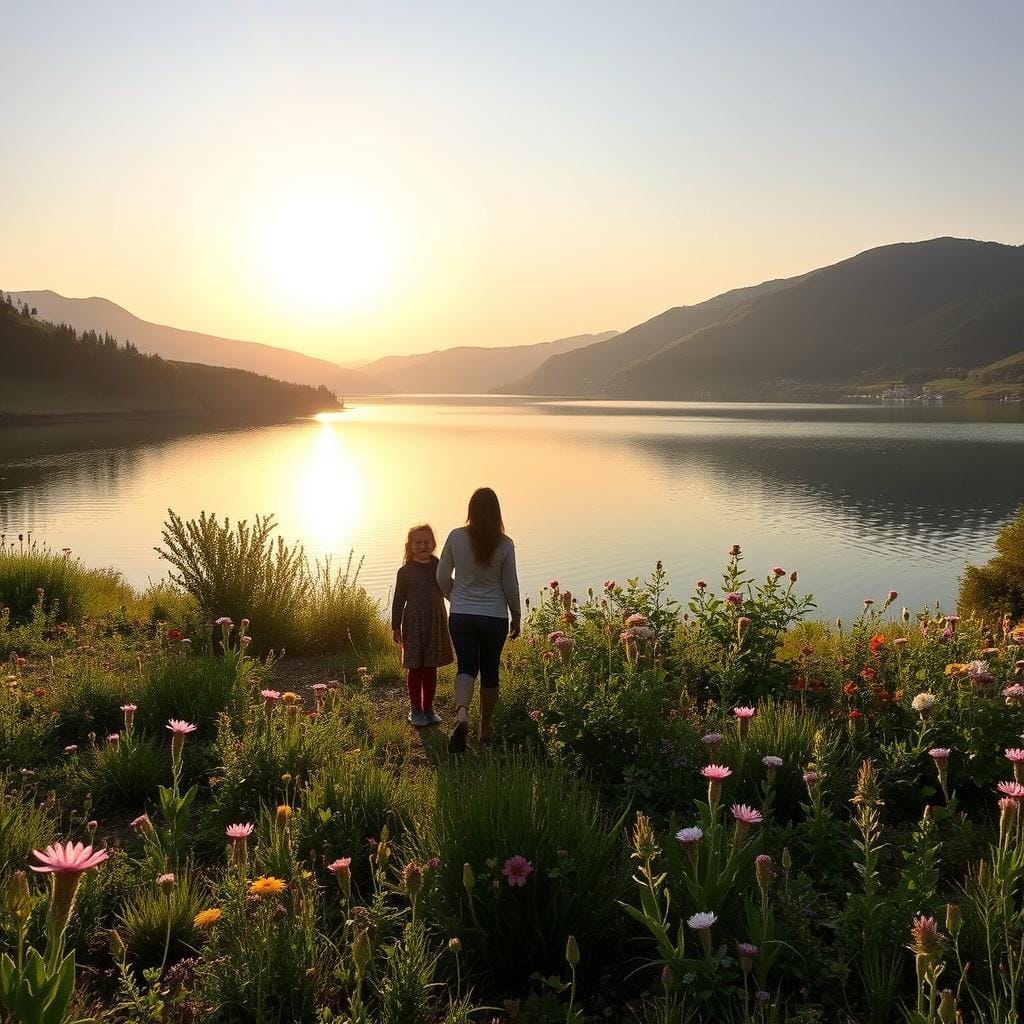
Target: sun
x=326, y=251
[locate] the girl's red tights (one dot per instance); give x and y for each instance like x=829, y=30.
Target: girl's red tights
x=422, y=687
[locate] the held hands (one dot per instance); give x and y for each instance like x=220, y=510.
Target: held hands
x=396, y=635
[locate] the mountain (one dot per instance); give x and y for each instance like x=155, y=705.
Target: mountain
x=585, y=371
x=53, y=371
x=913, y=311
x=471, y=369
x=106, y=317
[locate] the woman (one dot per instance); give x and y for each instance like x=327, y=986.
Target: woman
x=483, y=596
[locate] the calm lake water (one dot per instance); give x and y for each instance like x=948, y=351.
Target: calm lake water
x=859, y=499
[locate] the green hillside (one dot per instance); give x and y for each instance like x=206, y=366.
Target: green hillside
x=52, y=370
x=913, y=312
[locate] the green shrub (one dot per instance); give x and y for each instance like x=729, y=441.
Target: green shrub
x=242, y=572
x=28, y=569
x=123, y=776
x=350, y=800
x=196, y=689
x=148, y=912
x=997, y=587
x=26, y=729
x=266, y=961
x=25, y=824
x=269, y=747
x=239, y=572
x=339, y=615
x=490, y=811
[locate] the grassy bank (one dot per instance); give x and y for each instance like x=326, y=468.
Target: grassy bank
x=723, y=810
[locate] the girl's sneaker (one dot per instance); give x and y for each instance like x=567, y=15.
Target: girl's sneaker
x=431, y=717
x=417, y=718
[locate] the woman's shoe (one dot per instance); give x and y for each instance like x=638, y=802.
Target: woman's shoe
x=417, y=718
x=457, y=740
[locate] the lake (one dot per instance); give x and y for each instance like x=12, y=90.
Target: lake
x=859, y=499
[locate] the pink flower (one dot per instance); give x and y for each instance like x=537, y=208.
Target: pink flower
x=899, y=641
x=553, y=584
x=734, y=597
x=239, y=831
x=743, y=717
x=891, y=596
x=517, y=870
x=712, y=739
x=778, y=571
x=1012, y=789
x=746, y=952
x=224, y=620
x=637, y=620
x=342, y=871
x=65, y=864
x=129, y=715
x=142, y=823
x=318, y=687
x=939, y=753
x=535, y=715
x=746, y=815
x=114, y=739
x=701, y=585
x=165, y=883
x=1014, y=693
x=555, y=635
x=701, y=923
x=69, y=859
x=179, y=730
x=716, y=774
x=1015, y=754
x=126, y=708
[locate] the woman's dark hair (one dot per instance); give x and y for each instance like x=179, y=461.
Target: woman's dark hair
x=484, y=523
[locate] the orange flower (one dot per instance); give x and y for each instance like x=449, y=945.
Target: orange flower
x=205, y=918
x=267, y=886
x=876, y=643
x=868, y=674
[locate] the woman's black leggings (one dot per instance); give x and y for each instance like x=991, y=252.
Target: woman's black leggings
x=478, y=640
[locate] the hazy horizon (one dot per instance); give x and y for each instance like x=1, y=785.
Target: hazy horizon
x=355, y=183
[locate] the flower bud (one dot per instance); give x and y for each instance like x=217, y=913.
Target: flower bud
x=947, y=1007
x=468, y=878
x=572, y=951
x=455, y=944
x=361, y=951
x=117, y=947
x=787, y=858
x=954, y=919
x=19, y=899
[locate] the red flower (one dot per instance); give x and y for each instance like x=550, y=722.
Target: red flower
x=876, y=643
x=850, y=688
x=799, y=683
x=855, y=715
x=868, y=674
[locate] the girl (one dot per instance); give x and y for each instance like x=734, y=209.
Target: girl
x=483, y=595
x=419, y=624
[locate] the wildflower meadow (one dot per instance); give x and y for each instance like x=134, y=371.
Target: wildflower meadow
x=722, y=809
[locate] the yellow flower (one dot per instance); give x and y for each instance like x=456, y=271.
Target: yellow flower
x=205, y=918
x=288, y=697
x=955, y=669
x=267, y=886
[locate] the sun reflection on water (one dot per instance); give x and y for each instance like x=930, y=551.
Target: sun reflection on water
x=330, y=492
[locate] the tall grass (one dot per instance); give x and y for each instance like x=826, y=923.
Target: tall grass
x=487, y=812
x=244, y=572
x=32, y=576
x=25, y=825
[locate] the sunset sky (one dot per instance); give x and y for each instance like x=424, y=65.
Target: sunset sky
x=357, y=179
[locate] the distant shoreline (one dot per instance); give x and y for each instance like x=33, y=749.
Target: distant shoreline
x=62, y=418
